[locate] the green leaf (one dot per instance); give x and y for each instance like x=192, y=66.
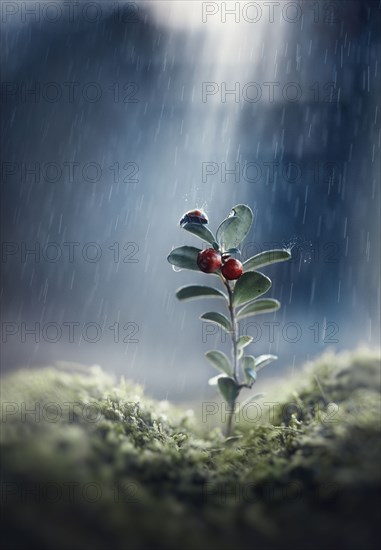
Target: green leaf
x=184, y=257
x=199, y=291
x=249, y=286
x=234, y=229
x=258, y=306
x=263, y=360
x=201, y=231
x=266, y=258
x=220, y=361
x=214, y=381
x=228, y=389
x=244, y=341
x=251, y=399
x=233, y=438
x=248, y=366
x=217, y=318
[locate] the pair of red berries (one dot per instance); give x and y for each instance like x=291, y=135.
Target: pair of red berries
x=210, y=261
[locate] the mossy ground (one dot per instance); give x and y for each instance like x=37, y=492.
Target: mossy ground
x=131, y=473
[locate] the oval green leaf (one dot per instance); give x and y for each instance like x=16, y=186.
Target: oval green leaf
x=200, y=231
x=228, y=389
x=244, y=341
x=214, y=380
x=220, y=361
x=184, y=257
x=252, y=399
x=249, y=286
x=234, y=229
x=266, y=258
x=258, y=306
x=199, y=291
x=248, y=366
x=218, y=319
x=263, y=360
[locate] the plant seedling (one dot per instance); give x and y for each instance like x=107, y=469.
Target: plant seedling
x=244, y=286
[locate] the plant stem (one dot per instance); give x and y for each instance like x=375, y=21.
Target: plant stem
x=235, y=356
x=233, y=333
x=229, y=424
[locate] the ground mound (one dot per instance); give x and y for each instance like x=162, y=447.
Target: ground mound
x=90, y=464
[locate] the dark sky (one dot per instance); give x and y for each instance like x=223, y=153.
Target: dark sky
x=99, y=163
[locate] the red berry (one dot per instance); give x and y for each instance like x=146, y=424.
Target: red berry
x=209, y=261
x=232, y=269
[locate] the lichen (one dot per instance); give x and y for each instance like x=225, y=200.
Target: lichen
x=105, y=465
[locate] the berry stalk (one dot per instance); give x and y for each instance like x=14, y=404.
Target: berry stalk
x=245, y=293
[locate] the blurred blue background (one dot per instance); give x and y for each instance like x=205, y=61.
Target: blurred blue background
x=142, y=111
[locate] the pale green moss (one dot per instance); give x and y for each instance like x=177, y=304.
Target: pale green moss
x=308, y=477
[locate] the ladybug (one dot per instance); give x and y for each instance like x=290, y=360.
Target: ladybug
x=194, y=216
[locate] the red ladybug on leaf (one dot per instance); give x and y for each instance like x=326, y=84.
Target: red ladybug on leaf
x=194, y=216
